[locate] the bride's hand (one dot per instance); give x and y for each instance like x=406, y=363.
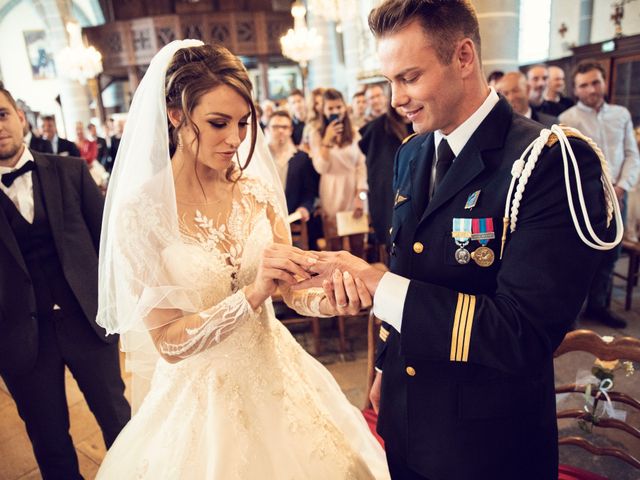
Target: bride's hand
x=279, y=263
x=345, y=294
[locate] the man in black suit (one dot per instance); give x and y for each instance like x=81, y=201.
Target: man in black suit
x=60, y=146
x=465, y=386
x=35, y=143
x=514, y=87
x=50, y=219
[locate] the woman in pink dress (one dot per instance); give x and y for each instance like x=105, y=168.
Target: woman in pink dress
x=342, y=169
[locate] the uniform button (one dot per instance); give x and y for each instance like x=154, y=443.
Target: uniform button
x=418, y=247
x=390, y=230
x=411, y=371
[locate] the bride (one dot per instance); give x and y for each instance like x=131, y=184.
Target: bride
x=194, y=244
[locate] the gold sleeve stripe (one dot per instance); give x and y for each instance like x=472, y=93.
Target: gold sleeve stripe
x=456, y=325
x=384, y=333
x=467, y=333
x=461, y=331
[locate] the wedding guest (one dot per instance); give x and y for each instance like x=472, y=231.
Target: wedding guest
x=314, y=118
x=268, y=107
x=494, y=77
x=51, y=212
x=34, y=142
x=60, y=146
x=359, y=109
x=343, y=172
x=88, y=147
x=298, y=111
x=611, y=127
x=538, y=79
x=556, y=89
x=376, y=101
x=380, y=141
x=514, y=87
x=103, y=150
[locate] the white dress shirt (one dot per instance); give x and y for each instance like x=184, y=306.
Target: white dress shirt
x=611, y=128
x=388, y=301
x=21, y=190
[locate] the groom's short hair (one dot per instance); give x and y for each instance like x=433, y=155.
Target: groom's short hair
x=445, y=22
x=8, y=96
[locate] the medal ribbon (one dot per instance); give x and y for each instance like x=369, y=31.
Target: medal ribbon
x=482, y=230
x=461, y=230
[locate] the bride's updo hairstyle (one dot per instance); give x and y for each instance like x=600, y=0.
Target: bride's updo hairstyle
x=195, y=71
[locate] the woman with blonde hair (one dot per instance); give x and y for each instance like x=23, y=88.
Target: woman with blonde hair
x=194, y=244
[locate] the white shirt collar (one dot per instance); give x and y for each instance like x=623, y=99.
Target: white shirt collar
x=461, y=135
x=529, y=113
x=24, y=158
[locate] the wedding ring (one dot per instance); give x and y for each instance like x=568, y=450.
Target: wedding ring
x=343, y=305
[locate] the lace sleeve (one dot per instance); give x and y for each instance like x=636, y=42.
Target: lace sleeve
x=180, y=338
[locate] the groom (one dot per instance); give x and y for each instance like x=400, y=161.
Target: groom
x=465, y=382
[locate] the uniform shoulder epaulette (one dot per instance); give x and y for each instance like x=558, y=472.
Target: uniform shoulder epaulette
x=569, y=132
x=408, y=137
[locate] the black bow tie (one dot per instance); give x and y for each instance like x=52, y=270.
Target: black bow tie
x=9, y=178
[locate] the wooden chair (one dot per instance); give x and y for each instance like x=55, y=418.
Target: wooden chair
x=632, y=250
x=300, y=234
x=605, y=349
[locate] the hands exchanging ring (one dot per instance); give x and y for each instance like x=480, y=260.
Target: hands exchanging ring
x=346, y=294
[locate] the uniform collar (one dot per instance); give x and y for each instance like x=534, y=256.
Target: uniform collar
x=461, y=135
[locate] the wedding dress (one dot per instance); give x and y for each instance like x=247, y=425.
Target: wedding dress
x=244, y=401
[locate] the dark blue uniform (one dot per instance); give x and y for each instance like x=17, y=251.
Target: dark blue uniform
x=468, y=387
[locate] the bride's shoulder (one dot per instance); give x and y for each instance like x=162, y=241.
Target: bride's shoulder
x=261, y=190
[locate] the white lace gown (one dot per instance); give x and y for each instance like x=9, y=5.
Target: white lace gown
x=245, y=401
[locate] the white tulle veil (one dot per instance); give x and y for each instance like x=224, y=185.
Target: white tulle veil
x=141, y=222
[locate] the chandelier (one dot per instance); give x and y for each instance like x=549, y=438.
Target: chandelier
x=77, y=61
x=337, y=11
x=301, y=43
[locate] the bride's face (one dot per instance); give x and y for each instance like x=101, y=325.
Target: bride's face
x=221, y=116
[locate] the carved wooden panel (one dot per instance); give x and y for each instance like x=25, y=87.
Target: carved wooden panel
x=134, y=42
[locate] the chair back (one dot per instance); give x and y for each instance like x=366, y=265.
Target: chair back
x=300, y=234
x=609, y=353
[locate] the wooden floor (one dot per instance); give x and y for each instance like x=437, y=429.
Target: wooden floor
x=17, y=460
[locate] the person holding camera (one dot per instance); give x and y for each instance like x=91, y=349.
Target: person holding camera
x=341, y=165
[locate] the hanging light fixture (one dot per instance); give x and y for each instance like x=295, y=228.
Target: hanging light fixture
x=337, y=11
x=77, y=61
x=301, y=43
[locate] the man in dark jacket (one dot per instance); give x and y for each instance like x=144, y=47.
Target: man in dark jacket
x=50, y=219
x=60, y=146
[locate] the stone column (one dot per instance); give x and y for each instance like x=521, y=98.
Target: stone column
x=499, y=31
x=324, y=67
x=74, y=98
x=586, y=16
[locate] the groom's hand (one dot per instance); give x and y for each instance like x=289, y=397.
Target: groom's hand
x=345, y=262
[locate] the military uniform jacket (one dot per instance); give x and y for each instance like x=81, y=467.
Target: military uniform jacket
x=468, y=386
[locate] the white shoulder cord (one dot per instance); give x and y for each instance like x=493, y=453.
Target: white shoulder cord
x=521, y=171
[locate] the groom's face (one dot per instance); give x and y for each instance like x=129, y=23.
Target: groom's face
x=222, y=119
x=12, y=123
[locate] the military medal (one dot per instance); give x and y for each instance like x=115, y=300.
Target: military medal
x=461, y=234
x=482, y=231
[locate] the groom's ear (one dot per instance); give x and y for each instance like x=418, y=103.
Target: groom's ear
x=175, y=116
